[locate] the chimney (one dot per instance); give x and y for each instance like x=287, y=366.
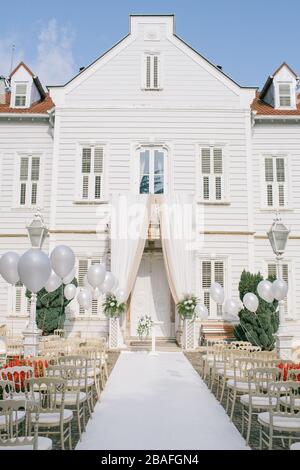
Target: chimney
x=2, y=90
x=81, y=69
x=220, y=67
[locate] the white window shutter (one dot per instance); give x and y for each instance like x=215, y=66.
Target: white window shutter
x=206, y=170
x=269, y=178
x=206, y=283
x=148, y=71
x=98, y=171
x=24, y=170
x=155, y=71
x=35, y=176
x=86, y=162
x=280, y=175
x=218, y=171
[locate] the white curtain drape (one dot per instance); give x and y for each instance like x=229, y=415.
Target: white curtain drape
x=178, y=236
x=130, y=216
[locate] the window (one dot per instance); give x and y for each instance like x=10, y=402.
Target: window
x=20, y=95
x=275, y=182
x=212, y=174
x=152, y=72
x=20, y=304
x=92, y=161
x=29, y=180
x=212, y=271
x=272, y=271
x=83, y=266
x=284, y=94
x=152, y=171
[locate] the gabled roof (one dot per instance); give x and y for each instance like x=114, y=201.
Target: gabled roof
x=21, y=64
x=262, y=108
x=39, y=107
x=271, y=78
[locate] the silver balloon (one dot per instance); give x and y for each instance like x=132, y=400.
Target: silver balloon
x=9, y=267
x=69, y=278
x=201, y=311
x=120, y=295
x=96, y=275
x=70, y=291
x=265, y=291
x=53, y=283
x=232, y=307
x=85, y=298
x=108, y=283
x=62, y=260
x=34, y=269
x=251, y=302
x=280, y=289
x=217, y=293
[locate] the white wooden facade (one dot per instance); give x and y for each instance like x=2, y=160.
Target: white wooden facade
x=152, y=91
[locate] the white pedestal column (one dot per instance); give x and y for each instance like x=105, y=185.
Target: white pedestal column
x=115, y=337
x=32, y=335
x=189, y=335
x=153, y=338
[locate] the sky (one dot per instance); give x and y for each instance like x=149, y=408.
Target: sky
x=249, y=38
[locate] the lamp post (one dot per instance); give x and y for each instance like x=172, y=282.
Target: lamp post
x=278, y=235
x=37, y=233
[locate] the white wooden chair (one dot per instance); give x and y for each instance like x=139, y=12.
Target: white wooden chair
x=54, y=419
x=256, y=400
x=278, y=424
x=13, y=413
x=74, y=397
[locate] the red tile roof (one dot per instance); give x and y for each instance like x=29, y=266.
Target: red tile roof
x=39, y=107
x=265, y=109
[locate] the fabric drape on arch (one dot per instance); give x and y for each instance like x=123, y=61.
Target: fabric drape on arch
x=130, y=217
x=178, y=237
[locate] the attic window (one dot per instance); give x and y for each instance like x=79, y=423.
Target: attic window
x=152, y=72
x=284, y=95
x=20, y=96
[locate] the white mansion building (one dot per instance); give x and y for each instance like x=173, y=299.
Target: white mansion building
x=151, y=115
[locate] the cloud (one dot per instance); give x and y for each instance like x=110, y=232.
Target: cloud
x=54, y=63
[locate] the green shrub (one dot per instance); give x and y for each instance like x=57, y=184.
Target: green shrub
x=257, y=328
x=50, y=309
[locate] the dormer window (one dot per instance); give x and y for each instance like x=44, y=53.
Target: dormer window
x=20, y=95
x=284, y=95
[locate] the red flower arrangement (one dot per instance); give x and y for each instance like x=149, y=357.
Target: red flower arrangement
x=39, y=367
x=285, y=367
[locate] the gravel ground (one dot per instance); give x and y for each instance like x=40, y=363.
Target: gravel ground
x=194, y=358
x=112, y=359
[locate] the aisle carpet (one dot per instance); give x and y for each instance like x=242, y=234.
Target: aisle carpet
x=158, y=402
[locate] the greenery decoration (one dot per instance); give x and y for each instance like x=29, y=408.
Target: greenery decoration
x=112, y=308
x=50, y=309
x=260, y=327
x=186, y=307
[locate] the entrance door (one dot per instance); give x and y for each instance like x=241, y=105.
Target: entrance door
x=151, y=295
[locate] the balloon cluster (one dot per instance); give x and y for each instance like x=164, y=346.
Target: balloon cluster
x=36, y=270
x=266, y=290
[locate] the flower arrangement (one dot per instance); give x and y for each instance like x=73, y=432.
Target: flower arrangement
x=285, y=367
x=112, y=308
x=144, y=326
x=186, y=307
x=19, y=378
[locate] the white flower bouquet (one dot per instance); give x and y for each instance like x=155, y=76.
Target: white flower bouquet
x=144, y=326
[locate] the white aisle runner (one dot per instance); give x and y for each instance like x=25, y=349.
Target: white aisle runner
x=156, y=403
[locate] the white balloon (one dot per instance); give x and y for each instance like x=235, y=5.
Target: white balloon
x=201, y=311
x=229, y=317
x=108, y=283
x=217, y=293
x=116, y=284
x=251, y=302
x=9, y=267
x=85, y=298
x=232, y=307
x=70, y=291
x=96, y=275
x=280, y=289
x=53, y=283
x=69, y=278
x=34, y=269
x=96, y=293
x=120, y=295
x=265, y=291
x=86, y=283
x=62, y=260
